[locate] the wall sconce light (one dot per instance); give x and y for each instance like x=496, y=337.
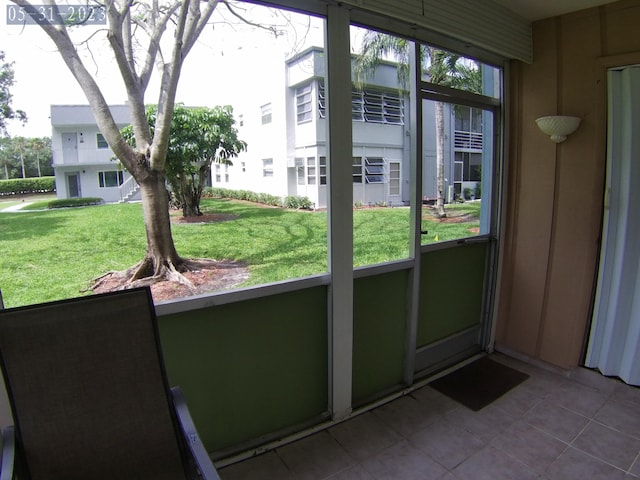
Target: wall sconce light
x=558, y=126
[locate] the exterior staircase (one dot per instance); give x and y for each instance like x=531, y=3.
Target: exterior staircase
x=128, y=190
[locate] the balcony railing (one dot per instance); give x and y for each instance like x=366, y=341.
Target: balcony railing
x=468, y=140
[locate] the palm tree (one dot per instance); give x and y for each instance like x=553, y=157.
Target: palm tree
x=438, y=66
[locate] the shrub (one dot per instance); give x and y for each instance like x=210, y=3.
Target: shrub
x=74, y=202
x=294, y=202
x=21, y=186
x=297, y=203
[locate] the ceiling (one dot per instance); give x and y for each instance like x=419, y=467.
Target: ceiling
x=533, y=10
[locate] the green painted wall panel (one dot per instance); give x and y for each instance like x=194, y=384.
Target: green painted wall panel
x=250, y=368
x=380, y=316
x=451, y=291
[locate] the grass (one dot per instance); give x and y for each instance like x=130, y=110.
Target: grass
x=48, y=255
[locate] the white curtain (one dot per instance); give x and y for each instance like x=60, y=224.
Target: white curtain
x=614, y=345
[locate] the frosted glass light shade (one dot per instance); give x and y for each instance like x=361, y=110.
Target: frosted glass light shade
x=558, y=126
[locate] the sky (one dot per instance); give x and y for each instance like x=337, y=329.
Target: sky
x=227, y=55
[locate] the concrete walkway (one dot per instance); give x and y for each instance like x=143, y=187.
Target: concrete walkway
x=14, y=208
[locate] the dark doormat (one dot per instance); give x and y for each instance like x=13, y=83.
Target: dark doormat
x=480, y=383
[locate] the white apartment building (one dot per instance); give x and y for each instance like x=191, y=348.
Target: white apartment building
x=84, y=164
x=284, y=125
x=282, y=117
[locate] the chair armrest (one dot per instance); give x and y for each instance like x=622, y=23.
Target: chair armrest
x=8, y=453
x=200, y=455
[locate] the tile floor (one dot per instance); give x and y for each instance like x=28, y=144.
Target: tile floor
x=550, y=427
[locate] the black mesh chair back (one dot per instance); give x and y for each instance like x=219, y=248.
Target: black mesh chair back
x=88, y=390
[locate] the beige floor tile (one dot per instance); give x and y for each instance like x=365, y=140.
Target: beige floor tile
x=492, y=464
x=315, y=457
x=405, y=415
x=626, y=393
x=586, y=427
x=403, y=462
x=529, y=445
x=621, y=416
x=578, y=398
x=575, y=465
x=446, y=443
x=364, y=436
x=520, y=400
x=264, y=466
x=555, y=420
x=635, y=468
x=435, y=402
x=357, y=472
x=611, y=446
x=485, y=423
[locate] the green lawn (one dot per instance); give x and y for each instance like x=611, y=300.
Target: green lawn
x=48, y=255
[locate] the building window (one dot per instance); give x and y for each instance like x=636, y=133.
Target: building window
x=322, y=161
x=267, y=167
x=394, y=178
x=468, y=167
x=226, y=174
x=111, y=178
x=370, y=105
x=303, y=103
x=357, y=169
x=322, y=104
x=299, y=163
x=101, y=142
x=266, y=113
x=377, y=106
x=374, y=169
x=218, y=176
x=244, y=166
x=311, y=170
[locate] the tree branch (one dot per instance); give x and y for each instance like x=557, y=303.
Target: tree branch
x=99, y=106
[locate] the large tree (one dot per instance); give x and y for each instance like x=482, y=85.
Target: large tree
x=141, y=36
x=438, y=66
x=7, y=81
x=199, y=136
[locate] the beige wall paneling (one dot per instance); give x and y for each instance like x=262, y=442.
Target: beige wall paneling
x=530, y=227
x=554, y=204
x=580, y=167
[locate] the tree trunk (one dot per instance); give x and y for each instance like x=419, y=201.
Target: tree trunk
x=161, y=256
x=191, y=198
x=24, y=175
x=439, y=107
x=191, y=205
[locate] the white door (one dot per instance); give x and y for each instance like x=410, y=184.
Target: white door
x=614, y=344
x=73, y=185
x=70, y=147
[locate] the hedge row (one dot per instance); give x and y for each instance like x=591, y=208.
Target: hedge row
x=75, y=202
x=292, y=201
x=21, y=186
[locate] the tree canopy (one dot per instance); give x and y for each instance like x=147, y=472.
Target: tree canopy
x=7, y=80
x=199, y=136
x=22, y=157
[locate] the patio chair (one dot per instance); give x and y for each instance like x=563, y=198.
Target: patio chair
x=89, y=394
